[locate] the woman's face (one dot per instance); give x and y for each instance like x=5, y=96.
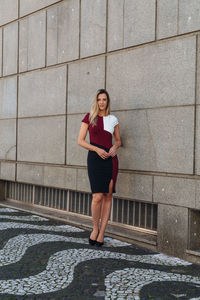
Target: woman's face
x=102, y=102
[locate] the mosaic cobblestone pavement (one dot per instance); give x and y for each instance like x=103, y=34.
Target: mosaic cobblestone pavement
x=44, y=259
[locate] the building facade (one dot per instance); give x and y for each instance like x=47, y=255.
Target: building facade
x=54, y=55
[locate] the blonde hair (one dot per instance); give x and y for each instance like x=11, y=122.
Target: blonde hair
x=95, y=108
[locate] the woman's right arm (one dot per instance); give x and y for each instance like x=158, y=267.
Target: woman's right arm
x=82, y=136
x=82, y=142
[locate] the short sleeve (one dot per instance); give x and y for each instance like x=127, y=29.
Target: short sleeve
x=86, y=119
x=115, y=121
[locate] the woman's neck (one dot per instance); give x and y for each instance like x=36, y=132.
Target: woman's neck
x=102, y=114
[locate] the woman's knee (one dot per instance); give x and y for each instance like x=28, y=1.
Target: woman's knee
x=97, y=197
x=108, y=196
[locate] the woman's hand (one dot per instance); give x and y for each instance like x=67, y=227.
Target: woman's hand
x=113, y=151
x=102, y=153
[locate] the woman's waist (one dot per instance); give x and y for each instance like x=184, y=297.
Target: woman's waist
x=100, y=146
x=93, y=153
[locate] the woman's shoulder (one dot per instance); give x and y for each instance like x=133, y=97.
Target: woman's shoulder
x=88, y=114
x=86, y=118
x=114, y=119
x=112, y=116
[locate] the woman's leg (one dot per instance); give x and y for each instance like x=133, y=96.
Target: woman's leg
x=105, y=211
x=96, y=212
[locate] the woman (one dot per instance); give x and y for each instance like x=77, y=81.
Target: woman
x=102, y=160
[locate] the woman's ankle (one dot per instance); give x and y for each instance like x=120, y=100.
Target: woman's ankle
x=100, y=237
x=95, y=230
x=94, y=233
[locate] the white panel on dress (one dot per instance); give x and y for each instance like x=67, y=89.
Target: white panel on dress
x=109, y=123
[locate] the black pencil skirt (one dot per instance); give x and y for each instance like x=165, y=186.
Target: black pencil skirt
x=99, y=171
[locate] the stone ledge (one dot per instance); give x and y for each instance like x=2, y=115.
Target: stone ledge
x=193, y=252
x=192, y=256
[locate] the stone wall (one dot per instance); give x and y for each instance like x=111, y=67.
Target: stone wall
x=54, y=55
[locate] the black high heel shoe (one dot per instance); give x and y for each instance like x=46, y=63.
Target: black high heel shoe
x=92, y=242
x=99, y=244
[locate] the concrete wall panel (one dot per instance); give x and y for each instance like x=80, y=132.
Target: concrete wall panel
x=172, y=229
x=197, y=195
x=152, y=140
x=8, y=139
x=76, y=155
x=32, y=42
x=63, y=32
x=53, y=176
x=10, y=49
x=189, y=13
x=154, y=75
x=7, y=171
x=93, y=27
x=198, y=69
x=174, y=191
x=23, y=44
x=1, y=37
x=134, y=186
x=8, y=11
x=130, y=22
x=30, y=173
x=42, y=139
x=36, y=41
x=167, y=18
x=139, y=22
x=60, y=177
x=83, y=183
x=85, y=78
x=157, y=140
x=115, y=24
x=48, y=96
x=28, y=6
x=8, y=96
x=197, y=152
x=52, y=35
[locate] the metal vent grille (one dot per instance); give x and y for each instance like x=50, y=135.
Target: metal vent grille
x=194, y=230
x=135, y=213
x=51, y=197
x=19, y=191
x=80, y=203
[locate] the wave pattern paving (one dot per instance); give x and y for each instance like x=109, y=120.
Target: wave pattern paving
x=60, y=264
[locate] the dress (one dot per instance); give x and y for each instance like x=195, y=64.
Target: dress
x=101, y=171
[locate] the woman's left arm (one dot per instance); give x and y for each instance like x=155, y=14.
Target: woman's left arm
x=117, y=144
